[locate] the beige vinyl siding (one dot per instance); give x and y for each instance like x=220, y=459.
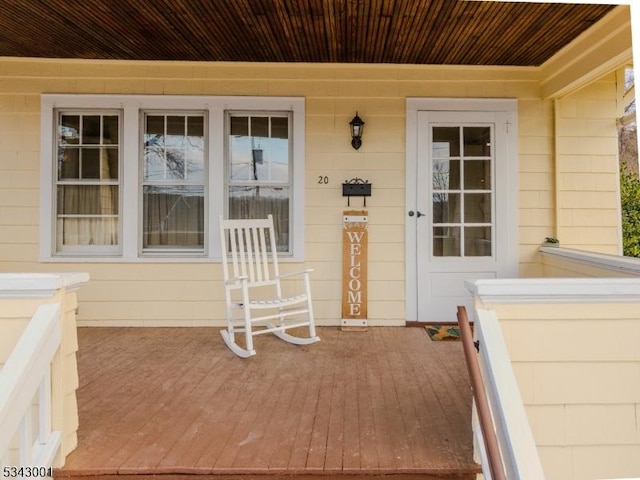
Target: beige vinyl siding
x=587, y=168
x=578, y=370
x=191, y=293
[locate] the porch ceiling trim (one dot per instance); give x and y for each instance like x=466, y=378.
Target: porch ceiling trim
x=605, y=48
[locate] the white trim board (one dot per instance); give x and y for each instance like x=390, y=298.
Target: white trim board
x=556, y=290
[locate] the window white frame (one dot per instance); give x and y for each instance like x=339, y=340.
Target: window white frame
x=132, y=107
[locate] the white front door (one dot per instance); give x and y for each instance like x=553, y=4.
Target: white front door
x=462, y=207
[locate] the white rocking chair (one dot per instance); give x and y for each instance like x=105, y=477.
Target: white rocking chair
x=253, y=290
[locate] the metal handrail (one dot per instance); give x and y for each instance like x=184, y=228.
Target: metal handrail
x=496, y=465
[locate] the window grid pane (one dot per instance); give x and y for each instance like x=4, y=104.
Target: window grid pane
x=173, y=186
x=462, y=200
x=87, y=182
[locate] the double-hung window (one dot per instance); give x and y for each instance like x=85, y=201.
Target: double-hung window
x=145, y=177
x=259, y=169
x=87, y=184
x=173, y=182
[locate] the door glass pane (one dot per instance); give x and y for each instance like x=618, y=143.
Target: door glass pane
x=446, y=174
x=477, y=174
x=446, y=207
x=446, y=142
x=477, y=141
x=477, y=241
x=446, y=241
x=477, y=208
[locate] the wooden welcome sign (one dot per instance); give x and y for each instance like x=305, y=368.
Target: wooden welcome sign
x=354, y=270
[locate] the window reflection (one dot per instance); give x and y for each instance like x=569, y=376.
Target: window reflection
x=259, y=149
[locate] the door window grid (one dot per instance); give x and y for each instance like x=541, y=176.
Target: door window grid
x=462, y=201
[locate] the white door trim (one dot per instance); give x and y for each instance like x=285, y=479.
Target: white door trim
x=508, y=181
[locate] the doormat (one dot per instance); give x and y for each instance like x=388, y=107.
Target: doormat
x=443, y=332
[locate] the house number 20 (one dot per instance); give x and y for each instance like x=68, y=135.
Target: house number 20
x=323, y=179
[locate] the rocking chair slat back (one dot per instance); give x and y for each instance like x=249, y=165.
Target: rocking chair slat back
x=250, y=252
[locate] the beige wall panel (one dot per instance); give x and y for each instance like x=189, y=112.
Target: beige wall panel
x=555, y=463
x=391, y=310
x=588, y=343
x=548, y=423
x=12, y=329
x=602, y=425
x=534, y=235
x=530, y=270
x=332, y=95
x=586, y=200
x=588, y=167
x=535, y=199
x=614, y=461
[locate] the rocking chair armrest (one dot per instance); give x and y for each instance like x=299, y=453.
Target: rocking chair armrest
x=293, y=274
x=234, y=280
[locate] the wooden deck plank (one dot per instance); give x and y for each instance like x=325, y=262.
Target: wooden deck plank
x=351, y=417
x=335, y=428
x=368, y=450
x=176, y=401
x=318, y=446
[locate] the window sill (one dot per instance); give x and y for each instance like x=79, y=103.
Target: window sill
x=149, y=259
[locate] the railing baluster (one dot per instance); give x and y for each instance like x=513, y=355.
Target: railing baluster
x=25, y=442
x=44, y=408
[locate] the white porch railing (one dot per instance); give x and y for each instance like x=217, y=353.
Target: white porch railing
x=25, y=375
x=517, y=445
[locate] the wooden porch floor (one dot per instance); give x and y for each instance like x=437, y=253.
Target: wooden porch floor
x=176, y=401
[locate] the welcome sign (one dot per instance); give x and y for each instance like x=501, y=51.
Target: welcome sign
x=354, y=269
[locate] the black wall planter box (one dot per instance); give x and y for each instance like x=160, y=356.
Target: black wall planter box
x=356, y=189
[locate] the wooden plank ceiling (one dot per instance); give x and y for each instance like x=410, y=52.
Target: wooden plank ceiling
x=346, y=31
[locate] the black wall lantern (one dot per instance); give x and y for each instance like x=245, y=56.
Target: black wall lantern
x=357, y=126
